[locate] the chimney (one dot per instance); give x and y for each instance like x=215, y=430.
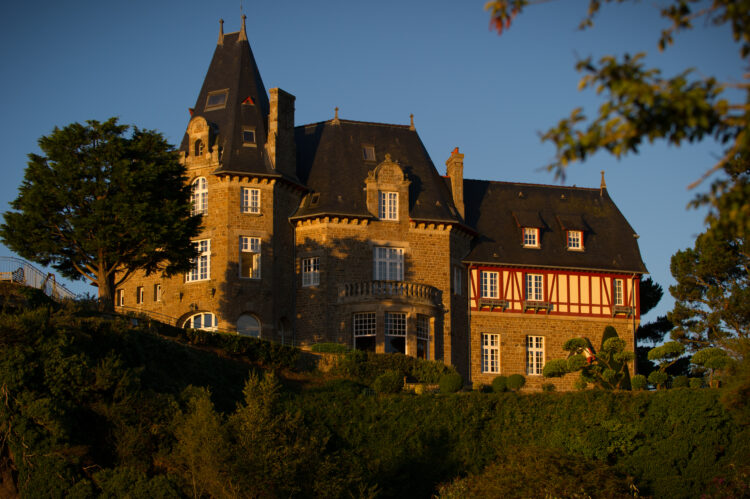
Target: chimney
x=455, y=171
x=280, y=144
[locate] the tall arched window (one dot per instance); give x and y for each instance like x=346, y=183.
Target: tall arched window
x=199, y=197
x=247, y=325
x=199, y=147
x=203, y=320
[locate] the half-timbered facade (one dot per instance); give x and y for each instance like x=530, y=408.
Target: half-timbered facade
x=344, y=231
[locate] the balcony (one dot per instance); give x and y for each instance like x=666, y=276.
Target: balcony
x=408, y=292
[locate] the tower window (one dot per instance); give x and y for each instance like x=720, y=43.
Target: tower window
x=199, y=147
x=216, y=99
x=248, y=137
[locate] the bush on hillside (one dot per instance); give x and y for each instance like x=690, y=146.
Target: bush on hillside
x=500, y=384
x=516, y=382
x=696, y=382
x=451, y=383
x=680, y=382
x=638, y=382
x=329, y=348
x=366, y=366
x=388, y=382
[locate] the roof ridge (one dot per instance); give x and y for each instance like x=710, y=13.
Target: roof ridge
x=354, y=122
x=529, y=184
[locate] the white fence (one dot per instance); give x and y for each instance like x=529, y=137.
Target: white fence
x=22, y=272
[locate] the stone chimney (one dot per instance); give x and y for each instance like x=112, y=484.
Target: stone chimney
x=280, y=145
x=455, y=171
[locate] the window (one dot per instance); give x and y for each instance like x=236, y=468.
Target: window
x=395, y=332
x=247, y=325
x=423, y=337
x=490, y=353
x=619, y=294
x=575, y=240
x=388, y=206
x=534, y=287
x=364, y=331
x=203, y=320
x=311, y=271
x=199, y=197
x=389, y=264
x=120, y=298
x=216, y=99
x=139, y=295
x=201, y=264
x=458, y=281
x=199, y=147
x=250, y=257
x=250, y=200
x=248, y=137
x=368, y=153
x=157, y=292
x=489, y=285
x=534, y=354
x=530, y=237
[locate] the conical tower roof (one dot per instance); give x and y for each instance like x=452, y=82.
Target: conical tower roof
x=233, y=100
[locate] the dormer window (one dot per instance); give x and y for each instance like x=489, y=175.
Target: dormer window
x=248, y=137
x=199, y=147
x=368, y=153
x=216, y=99
x=388, y=206
x=575, y=240
x=530, y=237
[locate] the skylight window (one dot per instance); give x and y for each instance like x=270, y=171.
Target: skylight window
x=368, y=153
x=216, y=99
x=248, y=137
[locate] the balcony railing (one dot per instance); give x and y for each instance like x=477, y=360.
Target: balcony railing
x=17, y=271
x=381, y=290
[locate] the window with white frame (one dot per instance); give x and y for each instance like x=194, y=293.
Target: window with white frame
x=311, y=271
x=199, y=197
x=490, y=353
x=248, y=325
x=619, y=292
x=388, y=206
x=395, y=332
x=534, y=287
x=139, y=295
x=423, y=337
x=202, y=264
x=250, y=257
x=157, y=292
x=363, y=326
x=203, y=320
x=388, y=264
x=489, y=285
x=575, y=240
x=458, y=280
x=248, y=137
x=216, y=99
x=530, y=237
x=250, y=200
x=534, y=355
x=120, y=298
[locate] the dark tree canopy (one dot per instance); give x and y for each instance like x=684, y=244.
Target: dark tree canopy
x=100, y=203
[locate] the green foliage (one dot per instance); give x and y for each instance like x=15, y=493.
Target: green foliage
x=516, y=382
x=658, y=379
x=366, y=366
x=608, y=369
x=548, y=387
x=638, y=382
x=680, y=382
x=388, y=382
x=555, y=368
x=329, y=348
x=696, y=382
x=500, y=384
x=451, y=383
x=97, y=203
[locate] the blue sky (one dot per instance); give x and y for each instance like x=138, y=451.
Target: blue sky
x=489, y=95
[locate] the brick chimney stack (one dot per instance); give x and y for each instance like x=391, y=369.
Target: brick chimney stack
x=455, y=171
x=280, y=145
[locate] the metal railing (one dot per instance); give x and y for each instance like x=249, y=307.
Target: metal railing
x=21, y=272
x=365, y=290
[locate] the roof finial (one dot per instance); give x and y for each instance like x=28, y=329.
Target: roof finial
x=243, y=34
x=603, y=186
x=411, y=126
x=336, y=116
x=221, y=31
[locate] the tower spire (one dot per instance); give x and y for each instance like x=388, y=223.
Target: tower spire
x=221, y=31
x=603, y=185
x=243, y=34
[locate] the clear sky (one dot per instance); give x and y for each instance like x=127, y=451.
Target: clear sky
x=489, y=95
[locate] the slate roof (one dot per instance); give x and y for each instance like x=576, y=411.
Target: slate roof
x=499, y=210
x=330, y=162
x=233, y=67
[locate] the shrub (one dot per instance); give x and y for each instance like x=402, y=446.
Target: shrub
x=555, y=368
x=329, y=348
x=451, y=383
x=548, y=387
x=516, y=381
x=388, y=382
x=479, y=387
x=696, y=382
x=638, y=382
x=500, y=384
x=366, y=366
x=658, y=378
x=680, y=382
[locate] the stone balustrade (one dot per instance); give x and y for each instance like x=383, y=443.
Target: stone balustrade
x=363, y=291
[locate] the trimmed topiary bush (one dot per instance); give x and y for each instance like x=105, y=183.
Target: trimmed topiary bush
x=451, y=383
x=638, y=382
x=516, y=381
x=388, y=382
x=680, y=382
x=658, y=378
x=500, y=384
x=696, y=382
